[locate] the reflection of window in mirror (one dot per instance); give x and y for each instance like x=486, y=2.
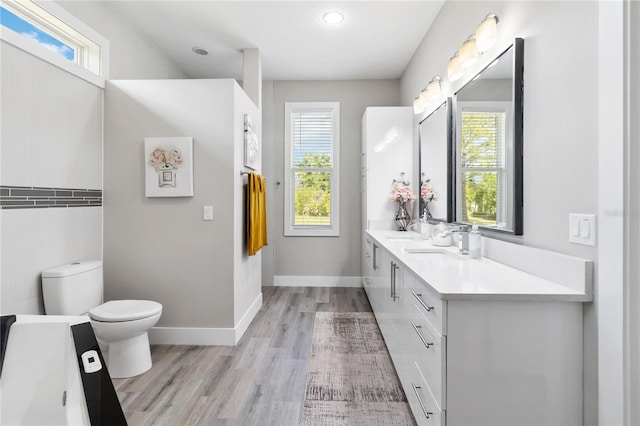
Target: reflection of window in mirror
x=486, y=183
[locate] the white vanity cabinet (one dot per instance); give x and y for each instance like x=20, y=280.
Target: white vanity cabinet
x=478, y=357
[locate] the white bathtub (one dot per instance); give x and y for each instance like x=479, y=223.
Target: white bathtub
x=41, y=382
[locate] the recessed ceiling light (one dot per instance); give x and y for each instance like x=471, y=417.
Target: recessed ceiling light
x=199, y=51
x=333, y=17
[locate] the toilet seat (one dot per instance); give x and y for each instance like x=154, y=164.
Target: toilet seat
x=125, y=310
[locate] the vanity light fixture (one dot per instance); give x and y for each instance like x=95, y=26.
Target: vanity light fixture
x=427, y=96
x=468, y=52
x=333, y=17
x=454, y=69
x=484, y=37
x=418, y=106
x=433, y=89
x=487, y=33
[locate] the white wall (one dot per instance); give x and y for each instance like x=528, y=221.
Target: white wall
x=247, y=274
x=160, y=248
x=327, y=256
x=560, y=126
x=272, y=186
x=633, y=306
x=561, y=119
x=132, y=55
x=51, y=136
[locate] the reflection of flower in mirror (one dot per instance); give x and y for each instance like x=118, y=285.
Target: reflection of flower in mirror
x=165, y=159
x=427, y=192
x=401, y=191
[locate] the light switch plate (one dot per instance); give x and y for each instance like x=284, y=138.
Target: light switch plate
x=207, y=213
x=582, y=229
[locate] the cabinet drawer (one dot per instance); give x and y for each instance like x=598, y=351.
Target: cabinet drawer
x=430, y=357
x=428, y=302
x=423, y=405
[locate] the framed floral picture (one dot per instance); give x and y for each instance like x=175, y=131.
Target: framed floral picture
x=252, y=154
x=168, y=167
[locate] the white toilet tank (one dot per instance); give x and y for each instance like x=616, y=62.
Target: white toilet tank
x=72, y=289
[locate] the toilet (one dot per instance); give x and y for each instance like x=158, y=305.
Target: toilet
x=120, y=326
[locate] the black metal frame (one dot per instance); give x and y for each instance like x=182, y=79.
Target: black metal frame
x=518, y=142
x=450, y=158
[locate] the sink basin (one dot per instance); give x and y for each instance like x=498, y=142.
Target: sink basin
x=434, y=252
x=426, y=251
x=402, y=237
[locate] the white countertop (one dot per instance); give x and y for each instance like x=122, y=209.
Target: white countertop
x=457, y=277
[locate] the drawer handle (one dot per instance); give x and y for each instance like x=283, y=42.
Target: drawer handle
x=424, y=305
x=417, y=329
x=424, y=410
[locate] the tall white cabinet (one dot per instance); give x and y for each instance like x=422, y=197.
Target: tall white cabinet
x=387, y=151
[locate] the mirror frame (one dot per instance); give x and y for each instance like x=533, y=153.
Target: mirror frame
x=518, y=139
x=448, y=106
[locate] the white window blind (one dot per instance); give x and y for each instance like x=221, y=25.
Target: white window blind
x=311, y=181
x=483, y=135
x=313, y=138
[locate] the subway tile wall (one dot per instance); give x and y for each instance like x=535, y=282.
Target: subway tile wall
x=22, y=197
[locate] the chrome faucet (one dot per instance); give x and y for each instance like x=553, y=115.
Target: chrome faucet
x=463, y=237
x=413, y=224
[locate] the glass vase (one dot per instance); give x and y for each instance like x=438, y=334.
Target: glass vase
x=402, y=216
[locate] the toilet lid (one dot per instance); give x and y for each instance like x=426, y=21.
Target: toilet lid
x=125, y=310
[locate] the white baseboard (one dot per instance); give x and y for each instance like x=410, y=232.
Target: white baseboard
x=246, y=319
x=205, y=336
x=192, y=336
x=315, y=281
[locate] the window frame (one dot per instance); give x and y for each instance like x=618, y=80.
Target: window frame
x=504, y=175
x=92, y=49
x=290, y=229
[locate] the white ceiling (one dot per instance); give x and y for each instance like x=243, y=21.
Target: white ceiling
x=376, y=40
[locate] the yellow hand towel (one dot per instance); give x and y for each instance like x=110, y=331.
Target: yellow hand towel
x=257, y=200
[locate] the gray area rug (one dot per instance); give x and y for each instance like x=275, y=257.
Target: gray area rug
x=351, y=379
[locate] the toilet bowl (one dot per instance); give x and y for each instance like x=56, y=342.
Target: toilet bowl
x=121, y=328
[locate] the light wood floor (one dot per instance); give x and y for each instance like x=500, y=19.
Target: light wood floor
x=260, y=381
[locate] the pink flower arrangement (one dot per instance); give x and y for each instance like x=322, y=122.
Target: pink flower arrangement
x=427, y=192
x=164, y=159
x=401, y=191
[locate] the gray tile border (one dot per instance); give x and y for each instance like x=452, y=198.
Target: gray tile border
x=15, y=197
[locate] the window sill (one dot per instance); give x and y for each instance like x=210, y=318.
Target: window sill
x=33, y=48
x=310, y=232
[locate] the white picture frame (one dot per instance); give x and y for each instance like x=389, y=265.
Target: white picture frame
x=168, y=166
x=252, y=154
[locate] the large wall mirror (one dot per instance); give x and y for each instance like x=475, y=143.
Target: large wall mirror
x=488, y=145
x=435, y=155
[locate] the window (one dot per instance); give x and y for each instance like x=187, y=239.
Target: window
x=49, y=32
x=312, y=164
x=483, y=175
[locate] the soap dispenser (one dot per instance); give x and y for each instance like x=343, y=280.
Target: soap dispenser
x=424, y=227
x=475, y=243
